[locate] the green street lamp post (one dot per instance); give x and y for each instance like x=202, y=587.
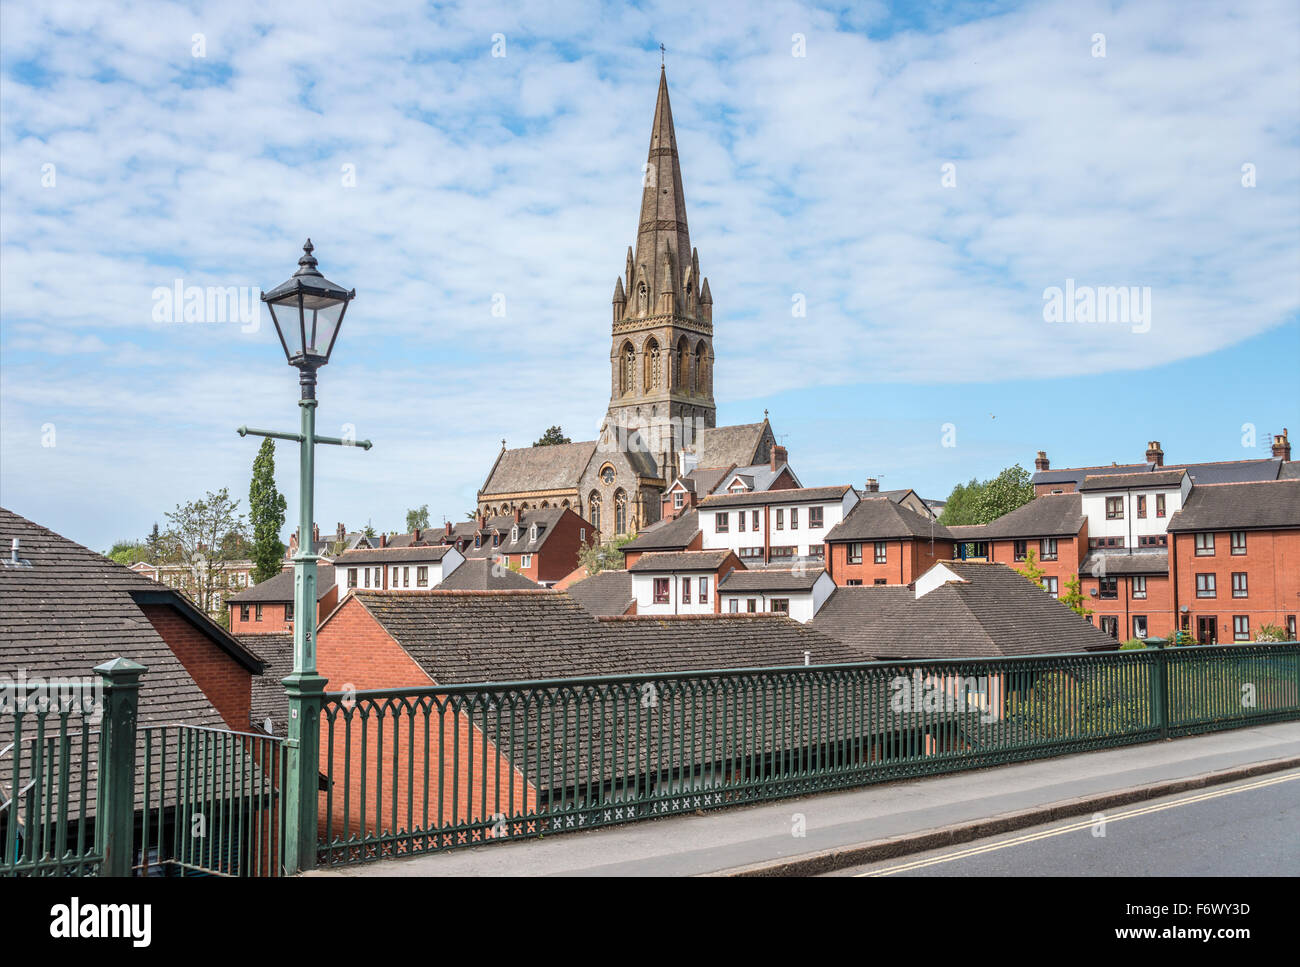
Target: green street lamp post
x=308, y=312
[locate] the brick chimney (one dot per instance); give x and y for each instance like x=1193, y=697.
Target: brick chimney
x=517, y=515
x=779, y=456
x=448, y=525
x=415, y=538
x=383, y=540
x=1155, y=455
x=1041, y=462
x=873, y=485
x=315, y=532
x=1281, y=446
x=341, y=533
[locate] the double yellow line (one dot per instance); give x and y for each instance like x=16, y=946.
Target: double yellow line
x=1074, y=827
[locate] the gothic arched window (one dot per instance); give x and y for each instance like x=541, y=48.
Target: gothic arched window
x=682, y=365
x=593, y=510
x=653, y=365
x=627, y=370
x=701, y=383
x=642, y=299
x=620, y=511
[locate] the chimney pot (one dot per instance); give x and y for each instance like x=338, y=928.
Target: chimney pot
x=1042, y=463
x=1281, y=446
x=873, y=485
x=341, y=531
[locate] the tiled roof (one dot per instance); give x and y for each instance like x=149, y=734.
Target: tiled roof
x=482, y=574
x=73, y=609
x=1290, y=470
x=1242, y=506
x=802, y=495
x=996, y=612
x=771, y=579
x=605, y=593
x=1132, y=481
x=729, y=446
x=1107, y=563
x=877, y=517
x=557, y=467
x=1051, y=515
x=392, y=555
x=659, y=561
x=268, y=699
x=1220, y=471
x=706, y=479
x=280, y=588
x=666, y=535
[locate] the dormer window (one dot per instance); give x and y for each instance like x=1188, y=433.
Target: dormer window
x=478, y=540
x=496, y=540
x=532, y=533
x=514, y=534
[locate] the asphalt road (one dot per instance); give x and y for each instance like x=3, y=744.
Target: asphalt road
x=1249, y=828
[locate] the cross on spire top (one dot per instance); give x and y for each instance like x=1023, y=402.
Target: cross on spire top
x=662, y=53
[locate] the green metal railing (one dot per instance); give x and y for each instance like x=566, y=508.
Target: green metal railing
x=417, y=770
x=49, y=741
x=211, y=803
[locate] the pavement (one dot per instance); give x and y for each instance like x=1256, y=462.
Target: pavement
x=820, y=833
x=1246, y=828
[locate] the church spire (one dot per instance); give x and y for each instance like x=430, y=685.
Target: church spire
x=662, y=227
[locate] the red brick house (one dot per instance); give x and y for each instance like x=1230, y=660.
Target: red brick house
x=1235, y=560
x=541, y=543
x=881, y=541
x=267, y=608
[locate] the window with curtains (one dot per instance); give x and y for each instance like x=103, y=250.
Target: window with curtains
x=661, y=591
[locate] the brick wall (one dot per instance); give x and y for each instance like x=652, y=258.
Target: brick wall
x=1272, y=568
x=226, y=683
x=354, y=651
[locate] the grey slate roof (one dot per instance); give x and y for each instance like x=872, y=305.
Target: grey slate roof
x=771, y=579
x=729, y=446
x=666, y=535
x=1242, y=506
x=1221, y=471
x=1117, y=563
x=604, y=594
x=392, y=555
x=280, y=588
x=878, y=517
x=1290, y=470
x=268, y=698
x=481, y=574
x=557, y=467
x=1051, y=515
x=801, y=495
x=997, y=613
x=661, y=561
x=705, y=480
x=1132, y=481
x=462, y=637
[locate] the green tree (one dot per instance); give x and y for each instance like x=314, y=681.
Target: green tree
x=960, y=506
x=266, y=507
x=204, y=536
x=1032, y=571
x=982, y=501
x=1073, y=597
x=551, y=437
x=154, y=545
x=596, y=556
x=127, y=552
x=417, y=519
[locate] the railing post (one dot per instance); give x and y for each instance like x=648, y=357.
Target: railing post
x=1160, y=685
x=115, y=801
x=302, y=771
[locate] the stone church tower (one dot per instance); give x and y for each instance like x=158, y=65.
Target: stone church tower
x=661, y=356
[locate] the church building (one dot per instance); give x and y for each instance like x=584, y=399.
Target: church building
x=661, y=407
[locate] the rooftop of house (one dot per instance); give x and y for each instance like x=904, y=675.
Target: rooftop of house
x=281, y=588
x=604, y=593
x=988, y=610
x=1220, y=471
x=800, y=495
x=1239, y=506
x=415, y=553
x=484, y=574
x=1133, y=481
x=877, y=517
x=664, y=561
x=68, y=609
x=1051, y=515
x=666, y=535
x=771, y=579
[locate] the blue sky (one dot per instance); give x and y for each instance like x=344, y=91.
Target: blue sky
x=141, y=144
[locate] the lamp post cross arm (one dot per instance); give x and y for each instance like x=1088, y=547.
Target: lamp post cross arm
x=299, y=438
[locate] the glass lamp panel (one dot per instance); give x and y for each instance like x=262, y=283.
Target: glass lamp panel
x=288, y=325
x=321, y=324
